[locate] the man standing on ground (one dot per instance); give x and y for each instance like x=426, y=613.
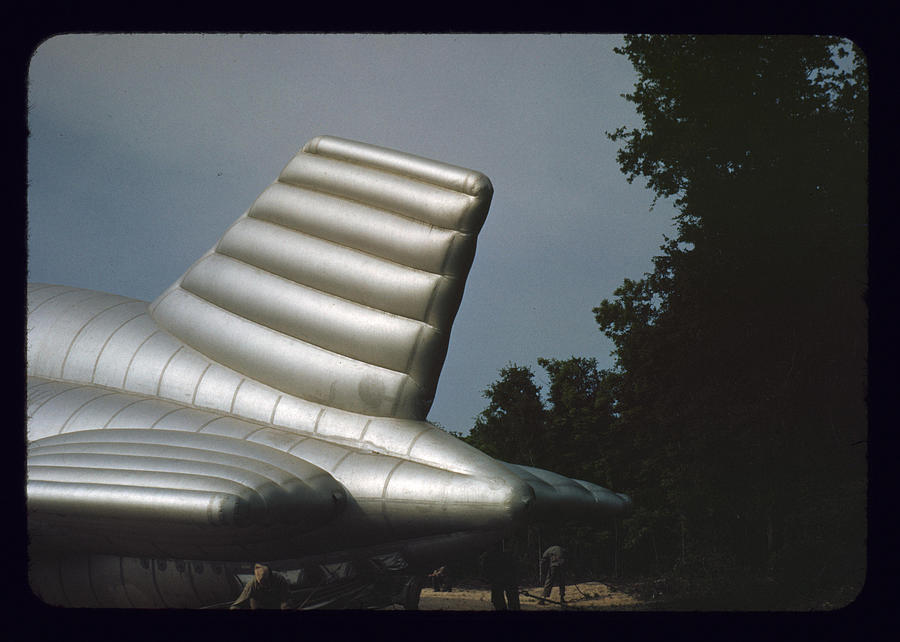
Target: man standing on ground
x=499, y=568
x=553, y=569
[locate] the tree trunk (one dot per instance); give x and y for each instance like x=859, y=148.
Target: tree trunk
x=774, y=534
x=616, y=548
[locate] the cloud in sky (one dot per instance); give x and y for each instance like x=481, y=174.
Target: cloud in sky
x=144, y=148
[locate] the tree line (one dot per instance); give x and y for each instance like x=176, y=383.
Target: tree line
x=735, y=413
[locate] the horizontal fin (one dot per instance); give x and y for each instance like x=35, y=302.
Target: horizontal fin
x=559, y=498
x=164, y=479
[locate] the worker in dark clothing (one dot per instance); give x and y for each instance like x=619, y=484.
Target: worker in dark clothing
x=553, y=570
x=440, y=580
x=499, y=568
x=267, y=590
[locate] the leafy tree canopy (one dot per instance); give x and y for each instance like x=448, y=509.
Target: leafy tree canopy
x=511, y=428
x=741, y=356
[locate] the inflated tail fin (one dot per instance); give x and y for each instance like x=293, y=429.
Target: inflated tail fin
x=341, y=282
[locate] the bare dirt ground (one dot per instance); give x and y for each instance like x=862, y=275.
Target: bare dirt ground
x=583, y=596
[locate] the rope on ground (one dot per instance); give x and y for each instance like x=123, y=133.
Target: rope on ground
x=218, y=605
x=308, y=597
x=542, y=599
x=578, y=588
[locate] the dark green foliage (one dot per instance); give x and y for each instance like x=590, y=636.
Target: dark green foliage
x=735, y=415
x=578, y=419
x=746, y=382
x=512, y=427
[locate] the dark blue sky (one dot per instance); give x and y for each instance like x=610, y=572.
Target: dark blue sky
x=145, y=148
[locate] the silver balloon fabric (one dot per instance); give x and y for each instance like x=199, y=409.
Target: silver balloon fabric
x=271, y=403
x=353, y=264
